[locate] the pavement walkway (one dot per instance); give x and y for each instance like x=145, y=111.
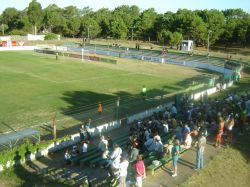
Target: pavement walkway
x=186, y=165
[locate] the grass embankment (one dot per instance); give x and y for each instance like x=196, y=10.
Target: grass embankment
x=232, y=166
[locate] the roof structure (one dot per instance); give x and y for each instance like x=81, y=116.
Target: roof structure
x=10, y=139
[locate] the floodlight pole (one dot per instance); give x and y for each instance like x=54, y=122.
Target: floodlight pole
x=117, y=111
x=209, y=31
x=88, y=34
x=132, y=34
x=2, y=29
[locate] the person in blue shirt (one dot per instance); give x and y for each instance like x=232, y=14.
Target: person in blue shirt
x=175, y=156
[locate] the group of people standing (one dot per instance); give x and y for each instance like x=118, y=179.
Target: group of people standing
x=189, y=125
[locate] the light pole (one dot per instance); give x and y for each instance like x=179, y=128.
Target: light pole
x=88, y=34
x=209, y=31
x=2, y=29
x=132, y=33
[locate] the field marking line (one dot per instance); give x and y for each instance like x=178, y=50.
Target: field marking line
x=99, y=77
x=28, y=74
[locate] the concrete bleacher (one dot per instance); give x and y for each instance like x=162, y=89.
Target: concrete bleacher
x=92, y=151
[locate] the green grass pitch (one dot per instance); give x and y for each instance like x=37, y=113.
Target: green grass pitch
x=33, y=85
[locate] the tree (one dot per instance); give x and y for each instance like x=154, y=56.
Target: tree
x=128, y=14
x=118, y=28
x=176, y=39
x=71, y=11
x=73, y=26
x=214, y=20
x=236, y=27
x=35, y=14
x=103, y=17
x=11, y=18
x=183, y=22
x=144, y=26
x=198, y=30
x=164, y=22
x=54, y=20
x=89, y=27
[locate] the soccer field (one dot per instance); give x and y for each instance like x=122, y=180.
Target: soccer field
x=35, y=86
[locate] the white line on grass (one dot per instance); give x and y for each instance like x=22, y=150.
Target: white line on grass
x=28, y=74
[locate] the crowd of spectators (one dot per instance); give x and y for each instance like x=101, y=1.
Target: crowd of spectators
x=187, y=125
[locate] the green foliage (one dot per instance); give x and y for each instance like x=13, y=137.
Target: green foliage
x=145, y=24
x=35, y=14
x=26, y=147
x=51, y=36
x=118, y=28
x=18, y=32
x=89, y=27
x=227, y=26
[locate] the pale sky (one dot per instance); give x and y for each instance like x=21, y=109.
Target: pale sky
x=161, y=6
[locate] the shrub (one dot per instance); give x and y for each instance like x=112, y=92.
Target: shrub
x=51, y=36
x=18, y=32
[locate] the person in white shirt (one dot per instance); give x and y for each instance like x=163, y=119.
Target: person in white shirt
x=188, y=141
x=67, y=157
x=103, y=144
x=157, y=137
x=123, y=171
x=84, y=146
x=165, y=127
x=116, y=156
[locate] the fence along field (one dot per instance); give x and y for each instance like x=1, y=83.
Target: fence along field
x=35, y=87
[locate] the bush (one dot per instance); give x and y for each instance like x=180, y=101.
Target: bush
x=18, y=32
x=51, y=36
x=10, y=154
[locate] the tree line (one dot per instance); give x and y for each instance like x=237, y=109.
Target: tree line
x=226, y=27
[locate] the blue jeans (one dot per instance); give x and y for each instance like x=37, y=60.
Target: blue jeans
x=199, y=160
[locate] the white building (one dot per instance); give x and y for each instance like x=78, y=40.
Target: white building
x=187, y=45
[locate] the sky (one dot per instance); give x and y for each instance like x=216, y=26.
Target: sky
x=161, y=6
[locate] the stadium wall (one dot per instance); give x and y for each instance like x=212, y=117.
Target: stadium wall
x=18, y=48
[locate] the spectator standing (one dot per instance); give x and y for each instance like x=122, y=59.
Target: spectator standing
x=173, y=111
x=115, y=160
x=99, y=109
x=123, y=171
x=200, y=151
x=139, y=170
x=134, y=153
x=103, y=144
x=87, y=127
x=169, y=146
x=85, y=146
x=219, y=132
x=67, y=157
x=75, y=151
x=175, y=156
x=110, y=142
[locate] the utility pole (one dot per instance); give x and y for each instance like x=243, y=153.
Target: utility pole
x=117, y=111
x=132, y=34
x=209, y=31
x=2, y=29
x=88, y=34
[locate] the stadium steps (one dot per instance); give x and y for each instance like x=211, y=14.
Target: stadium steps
x=93, y=150
x=94, y=159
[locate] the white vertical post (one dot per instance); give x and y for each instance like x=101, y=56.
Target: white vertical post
x=82, y=54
